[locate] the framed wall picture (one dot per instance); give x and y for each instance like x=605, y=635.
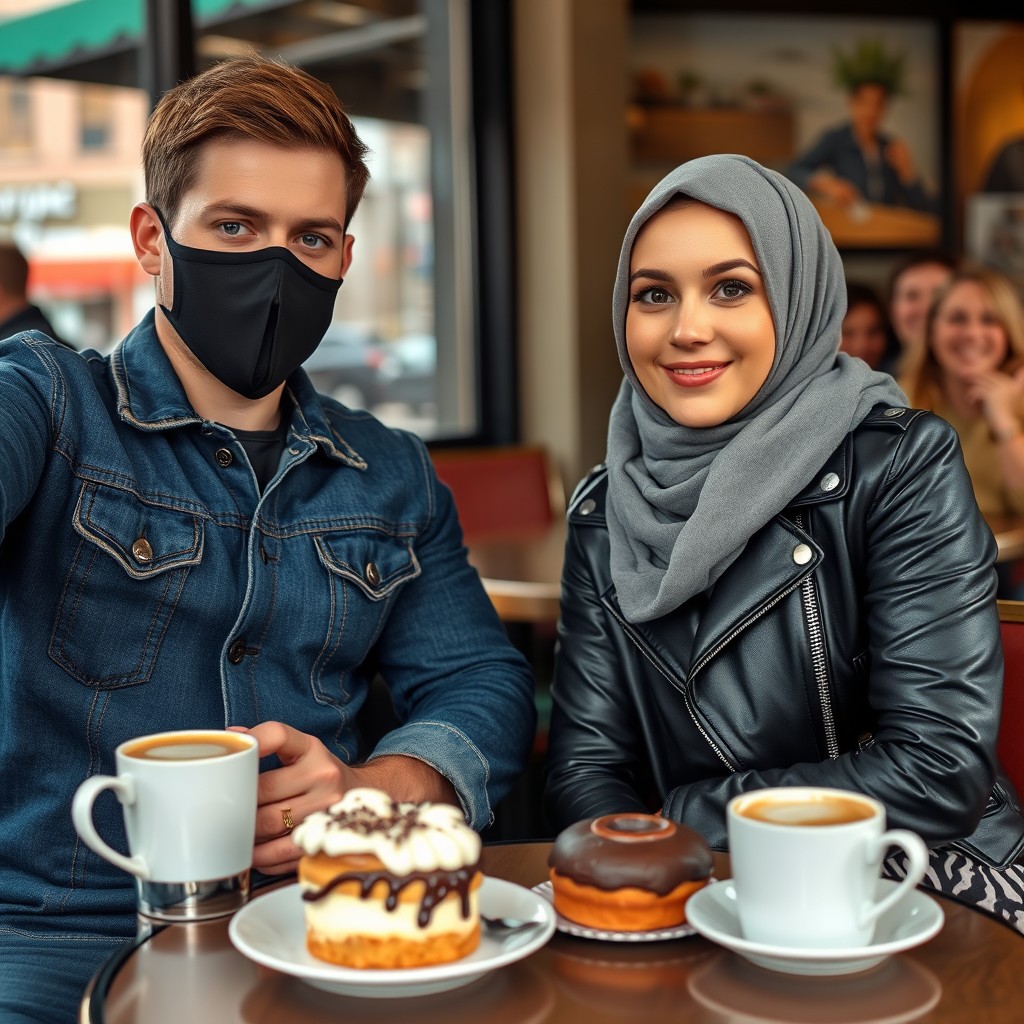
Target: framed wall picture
x=988, y=60
x=848, y=107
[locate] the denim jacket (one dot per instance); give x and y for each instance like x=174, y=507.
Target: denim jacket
x=147, y=585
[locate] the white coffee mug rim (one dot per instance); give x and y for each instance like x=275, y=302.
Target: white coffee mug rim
x=121, y=749
x=793, y=792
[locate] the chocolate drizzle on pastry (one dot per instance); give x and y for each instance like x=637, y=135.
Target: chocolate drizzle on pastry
x=437, y=885
x=645, y=851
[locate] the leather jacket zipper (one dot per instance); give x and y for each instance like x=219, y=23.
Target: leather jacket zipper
x=819, y=663
x=656, y=662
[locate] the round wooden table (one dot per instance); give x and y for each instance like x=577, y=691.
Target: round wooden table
x=972, y=972
x=522, y=571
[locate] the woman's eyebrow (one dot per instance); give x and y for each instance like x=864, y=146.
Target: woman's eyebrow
x=654, y=275
x=726, y=265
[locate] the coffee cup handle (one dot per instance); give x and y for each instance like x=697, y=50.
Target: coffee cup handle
x=917, y=861
x=81, y=815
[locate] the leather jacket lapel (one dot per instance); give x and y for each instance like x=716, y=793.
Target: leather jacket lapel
x=772, y=565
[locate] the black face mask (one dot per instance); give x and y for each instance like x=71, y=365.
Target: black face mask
x=251, y=318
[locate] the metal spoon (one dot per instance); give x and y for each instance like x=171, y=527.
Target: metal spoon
x=507, y=925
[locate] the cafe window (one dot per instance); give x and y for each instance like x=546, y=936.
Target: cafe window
x=15, y=116
x=96, y=118
x=405, y=339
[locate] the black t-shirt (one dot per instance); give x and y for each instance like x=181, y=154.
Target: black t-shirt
x=264, y=448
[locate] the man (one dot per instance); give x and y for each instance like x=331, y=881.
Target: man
x=16, y=312
x=857, y=162
x=195, y=538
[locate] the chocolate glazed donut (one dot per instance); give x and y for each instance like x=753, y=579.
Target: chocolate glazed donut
x=627, y=872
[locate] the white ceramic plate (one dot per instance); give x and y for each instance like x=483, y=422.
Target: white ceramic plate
x=272, y=931
x=563, y=924
x=713, y=912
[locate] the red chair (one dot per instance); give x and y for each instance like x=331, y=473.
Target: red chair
x=1010, y=746
x=501, y=490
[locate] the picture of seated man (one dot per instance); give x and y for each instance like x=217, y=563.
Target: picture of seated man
x=856, y=161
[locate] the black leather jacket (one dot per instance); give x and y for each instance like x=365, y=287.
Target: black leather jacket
x=854, y=643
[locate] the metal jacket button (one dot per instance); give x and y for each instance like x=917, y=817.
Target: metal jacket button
x=142, y=551
x=894, y=413
x=802, y=554
x=588, y=506
x=829, y=482
x=224, y=457
x=372, y=574
x=236, y=652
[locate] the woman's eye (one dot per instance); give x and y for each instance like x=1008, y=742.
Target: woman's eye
x=652, y=296
x=733, y=289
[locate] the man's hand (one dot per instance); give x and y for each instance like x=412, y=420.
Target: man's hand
x=900, y=159
x=840, y=191
x=311, y=778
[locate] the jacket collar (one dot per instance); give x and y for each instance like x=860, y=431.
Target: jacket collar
x=832, y=481
x=150, y=396
x=776, y=560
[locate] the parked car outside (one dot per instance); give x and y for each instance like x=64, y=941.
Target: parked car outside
x=408, y=371
x=346, y=365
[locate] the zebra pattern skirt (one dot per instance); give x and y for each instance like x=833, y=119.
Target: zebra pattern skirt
x=996, y=891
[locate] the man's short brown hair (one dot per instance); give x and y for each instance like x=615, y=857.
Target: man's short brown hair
x=246, y=97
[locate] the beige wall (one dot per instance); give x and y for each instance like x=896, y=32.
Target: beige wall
x=572, y=182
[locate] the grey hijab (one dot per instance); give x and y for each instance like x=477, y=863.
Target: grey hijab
x=684, y=501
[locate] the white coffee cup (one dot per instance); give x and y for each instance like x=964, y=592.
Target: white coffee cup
x=189, y=802
x=806, y=863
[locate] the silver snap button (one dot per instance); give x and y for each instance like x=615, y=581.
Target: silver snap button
x=372, y=574
x=894, y=413
x=587, y=506
x=224, y=457
x=802, y=554
x=142, y=551
x=829, y=482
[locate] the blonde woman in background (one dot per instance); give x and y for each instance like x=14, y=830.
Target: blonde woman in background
x=970, y=371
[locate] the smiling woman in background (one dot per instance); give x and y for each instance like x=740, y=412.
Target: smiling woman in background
x=737, y=610
x=914, y=284
x=970, y=371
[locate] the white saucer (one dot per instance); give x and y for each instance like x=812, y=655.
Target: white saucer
x=712, y=911
x=563, y=924
x=272, y=931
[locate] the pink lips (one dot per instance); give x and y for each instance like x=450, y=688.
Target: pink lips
x=699, y=374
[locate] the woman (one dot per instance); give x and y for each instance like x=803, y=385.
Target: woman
x=866, y=333
x=781, y=576
x=914, y=283
x=970, y=371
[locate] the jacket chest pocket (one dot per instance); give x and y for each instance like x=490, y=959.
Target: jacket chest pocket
x=124, y=583
x=365, y=571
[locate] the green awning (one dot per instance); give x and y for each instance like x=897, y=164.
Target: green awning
x=89, y=30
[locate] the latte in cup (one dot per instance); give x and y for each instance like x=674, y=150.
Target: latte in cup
x=806, y=866
x=189, y=805
x=187, y=746
x=817, y=811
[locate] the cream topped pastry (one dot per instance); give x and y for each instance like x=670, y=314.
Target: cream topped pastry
x=389, y=884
